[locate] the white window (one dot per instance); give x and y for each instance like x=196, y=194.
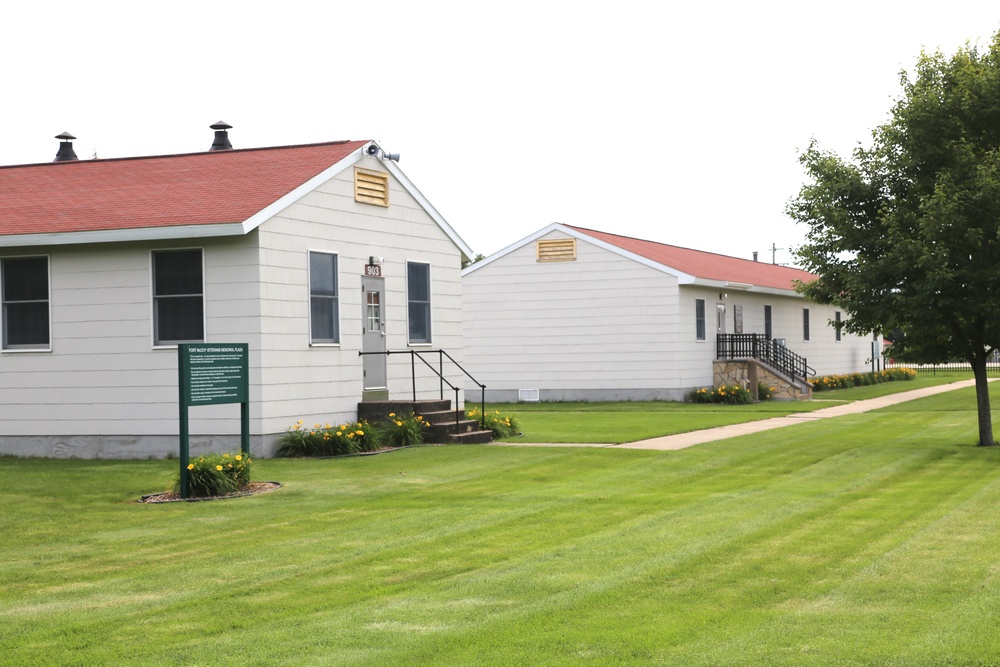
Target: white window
x=178, y=297
x=324, y=300
x=418, y=297
x=25, y=314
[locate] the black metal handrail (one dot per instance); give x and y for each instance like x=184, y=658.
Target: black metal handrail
x=439, y=371
x=763, y=348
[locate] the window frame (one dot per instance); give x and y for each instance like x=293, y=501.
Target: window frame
x=700, y=330
x=335, y=299
x=768, y=322
x=411, y=302
x=5, y=317
x=154, y=297
x=837, y=326
x=805, y=325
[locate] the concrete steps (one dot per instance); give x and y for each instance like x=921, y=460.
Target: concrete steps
x=445, y=425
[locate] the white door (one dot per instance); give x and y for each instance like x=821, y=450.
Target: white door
x=373, y=332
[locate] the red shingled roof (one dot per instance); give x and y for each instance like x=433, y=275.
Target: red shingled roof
x=163, y=191
x=707, y=265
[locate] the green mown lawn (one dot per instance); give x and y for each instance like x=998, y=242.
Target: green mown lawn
x=866, y=540
x=627, y=422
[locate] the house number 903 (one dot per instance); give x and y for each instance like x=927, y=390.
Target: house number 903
x=373, y=270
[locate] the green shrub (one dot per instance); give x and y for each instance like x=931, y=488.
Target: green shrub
x=731, y=394
x=328, y=440
x=400, y=431
x=503, y=425
x=764, y=391
x=216, y=475
x=828, y=382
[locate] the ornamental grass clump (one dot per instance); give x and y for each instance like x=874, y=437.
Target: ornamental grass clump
x=402, y=431
x=216, y=475
x=327, y=440
x=503, y=425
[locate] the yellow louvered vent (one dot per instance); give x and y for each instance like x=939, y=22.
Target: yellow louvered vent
x=371, y=187
x=557, y=250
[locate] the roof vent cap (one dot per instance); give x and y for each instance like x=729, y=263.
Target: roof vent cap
x=221, y=142
x=66, y=152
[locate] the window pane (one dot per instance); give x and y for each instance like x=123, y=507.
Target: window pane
x=322, y=274
x=418, y=282
x=324, y=305
x=26, y=279
x=324, y=320
x=420, y=322
x=699, y=318
x=177, y=272
x=418, y=291
x=805, y=324
x=179, y=319
x=25, y=302
x=26, y=324
x=178, y=306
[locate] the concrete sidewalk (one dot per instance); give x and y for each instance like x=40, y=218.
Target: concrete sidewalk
x=682, y=440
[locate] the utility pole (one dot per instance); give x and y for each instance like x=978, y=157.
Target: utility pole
x=774, y=253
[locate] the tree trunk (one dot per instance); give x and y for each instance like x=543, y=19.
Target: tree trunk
x=983, y=400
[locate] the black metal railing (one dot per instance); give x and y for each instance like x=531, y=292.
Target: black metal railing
x=439, y=371
x=947, y=368
x=763, y=348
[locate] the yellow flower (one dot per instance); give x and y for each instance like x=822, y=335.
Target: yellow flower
x=249, y=461
x=190, y=466
x=420, y=419
x=328, y=425
x=316, y=426
x=218, y=467
x=239, y=457
x=392, y=414
x=299, y=422
x=225, y=456
x=361, y=432
x=399, y=423
x=338, y=433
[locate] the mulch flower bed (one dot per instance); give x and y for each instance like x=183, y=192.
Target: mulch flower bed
x=251, y=489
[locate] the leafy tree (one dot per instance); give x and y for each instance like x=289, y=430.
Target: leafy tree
x=906, y=236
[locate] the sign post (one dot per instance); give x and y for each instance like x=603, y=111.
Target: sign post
x=212, y=374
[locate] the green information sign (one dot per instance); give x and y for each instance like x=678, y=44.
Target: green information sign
x=212, y=374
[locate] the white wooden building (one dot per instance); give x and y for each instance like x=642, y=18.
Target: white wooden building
x=576, y=314
x=309, y=254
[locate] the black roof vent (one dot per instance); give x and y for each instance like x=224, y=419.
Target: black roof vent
x=221, y=142
x=66, y=152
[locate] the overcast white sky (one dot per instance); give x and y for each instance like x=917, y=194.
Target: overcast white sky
x=678, y=124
